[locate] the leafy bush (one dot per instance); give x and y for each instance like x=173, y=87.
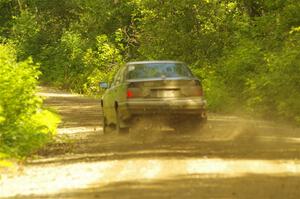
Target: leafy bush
x=26, y=34
x=24, y=125
x=100, y=64
x=80, y=68
x=276, y=91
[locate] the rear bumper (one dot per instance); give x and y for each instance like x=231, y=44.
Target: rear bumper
x=179, y=106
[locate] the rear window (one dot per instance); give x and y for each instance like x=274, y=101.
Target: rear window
x=157, y=70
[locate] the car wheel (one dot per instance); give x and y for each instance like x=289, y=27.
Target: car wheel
x=119, y=129
x=106, y=128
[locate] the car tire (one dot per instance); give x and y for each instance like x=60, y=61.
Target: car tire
x=105, y=126
x=119, y=129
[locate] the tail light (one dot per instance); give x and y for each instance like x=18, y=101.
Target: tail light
x=133, y=93
x=199, y=91
x=194, y=91
x=129, y=94
x=134, y=90
x=198, y=88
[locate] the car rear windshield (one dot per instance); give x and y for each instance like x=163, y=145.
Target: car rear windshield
x=157, y=70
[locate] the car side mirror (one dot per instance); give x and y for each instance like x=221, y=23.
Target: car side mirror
x=103, y=85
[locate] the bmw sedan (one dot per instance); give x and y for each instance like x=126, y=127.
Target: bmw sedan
x=164, y=89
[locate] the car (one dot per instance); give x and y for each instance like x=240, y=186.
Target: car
x=165, y=89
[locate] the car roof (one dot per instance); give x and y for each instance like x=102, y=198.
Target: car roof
x=153, y=62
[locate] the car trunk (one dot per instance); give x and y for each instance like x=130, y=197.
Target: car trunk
x=164, y=88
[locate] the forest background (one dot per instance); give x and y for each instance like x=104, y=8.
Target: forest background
x=246, y=53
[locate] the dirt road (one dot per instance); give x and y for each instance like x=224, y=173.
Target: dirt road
x=229, y=158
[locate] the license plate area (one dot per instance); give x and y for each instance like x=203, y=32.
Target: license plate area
x=165, y=93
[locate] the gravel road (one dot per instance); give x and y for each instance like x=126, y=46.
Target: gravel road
x=231, y=157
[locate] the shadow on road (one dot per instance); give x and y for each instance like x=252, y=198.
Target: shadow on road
x=193, y=186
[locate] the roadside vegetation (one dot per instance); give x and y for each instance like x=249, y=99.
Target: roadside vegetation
x=246, y=52
x=24, y=125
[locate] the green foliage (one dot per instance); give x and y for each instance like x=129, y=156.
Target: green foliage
x=25, y=34
x=79, y=67
x=22, y=121
x=237, y=69
x=277, y=89
x=100, y=64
